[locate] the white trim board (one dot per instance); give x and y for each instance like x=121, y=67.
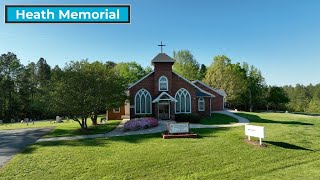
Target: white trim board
x=164, y=93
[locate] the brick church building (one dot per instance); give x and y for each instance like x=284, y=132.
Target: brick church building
x=163, y=93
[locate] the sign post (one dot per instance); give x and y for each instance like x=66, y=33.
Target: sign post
x=255, y=131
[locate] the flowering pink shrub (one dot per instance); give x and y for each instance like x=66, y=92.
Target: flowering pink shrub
x=140, y=123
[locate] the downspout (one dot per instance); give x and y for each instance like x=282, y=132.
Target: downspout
x=210, y=106
x=223, y=103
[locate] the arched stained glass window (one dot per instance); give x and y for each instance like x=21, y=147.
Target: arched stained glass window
x=201, y=104
x=163, y=83
x=143, y=102
x=183, y=104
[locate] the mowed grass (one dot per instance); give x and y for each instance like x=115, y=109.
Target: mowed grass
x=292, y=152
x=217, y=118
x=67, y=128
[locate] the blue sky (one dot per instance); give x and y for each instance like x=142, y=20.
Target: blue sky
x=280, y=37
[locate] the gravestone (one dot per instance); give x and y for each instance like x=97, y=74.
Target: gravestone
x=13, y=121
x=103, y=120
x=58, y=119
x=1, y=121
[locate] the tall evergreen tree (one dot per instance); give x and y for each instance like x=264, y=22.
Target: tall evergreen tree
x=10, y=69
x=202, y=72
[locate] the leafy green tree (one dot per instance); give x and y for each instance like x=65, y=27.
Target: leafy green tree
x=130, y=71
x=222, y=74
x=277, y=97
x=186, y=65
x=85, y=89
x=256, y=87
x=299, y=98
x=148, y=70
x=110, y=64
x=314, y=105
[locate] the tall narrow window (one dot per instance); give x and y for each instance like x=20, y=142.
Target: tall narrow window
x=163, y=83
x=143, y=102
x=201, y=104
x=183, y=103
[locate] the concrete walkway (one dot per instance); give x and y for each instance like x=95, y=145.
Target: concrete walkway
x=242, y=121
x=118, y=131
x=161, y=128
x=13, y=141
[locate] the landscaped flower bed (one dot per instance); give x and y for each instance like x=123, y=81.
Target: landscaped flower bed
x=140, y=123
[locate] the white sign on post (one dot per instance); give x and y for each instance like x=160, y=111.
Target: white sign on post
x=255, y=131
x=178, y=128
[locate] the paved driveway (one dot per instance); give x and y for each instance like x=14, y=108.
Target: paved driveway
x=13, y=141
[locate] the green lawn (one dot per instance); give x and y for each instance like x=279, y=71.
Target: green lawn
x=292, y=152
x=217, y=118
x=67, y=128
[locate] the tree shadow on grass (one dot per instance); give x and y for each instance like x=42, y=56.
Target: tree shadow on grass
x=287, y=145
x=208, y=132
x=205, y=132
x=257, y=119
x=73, y=143
x=98, y=129
x=136, y=139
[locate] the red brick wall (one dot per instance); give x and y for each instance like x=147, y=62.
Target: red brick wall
x=147, y=84
x=175, y=83
x=216, y=102
x=162, y=69
x=181, y=83
x=116, y=116
x=205, y=113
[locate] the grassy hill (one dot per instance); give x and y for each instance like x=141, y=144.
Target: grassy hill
x=292, y=152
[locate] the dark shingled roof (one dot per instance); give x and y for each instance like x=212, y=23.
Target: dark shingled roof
x=202, y=94
x=162, y=57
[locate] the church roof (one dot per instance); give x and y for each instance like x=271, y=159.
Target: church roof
x=162, y=57
x=219, y=91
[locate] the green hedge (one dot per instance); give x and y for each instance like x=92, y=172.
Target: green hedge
x=191, y=118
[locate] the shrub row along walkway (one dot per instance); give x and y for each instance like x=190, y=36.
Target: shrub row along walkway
x=161, y=128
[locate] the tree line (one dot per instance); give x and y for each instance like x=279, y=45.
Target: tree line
x=79, y=90
x=82, y=89
x=246, y=87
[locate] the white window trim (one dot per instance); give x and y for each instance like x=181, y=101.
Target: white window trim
x=167, y=83
x=114, y=110
x=175, y=104
x=148, y=94
x=201, y=100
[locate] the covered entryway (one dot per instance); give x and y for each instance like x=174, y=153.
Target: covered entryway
x=163, y=106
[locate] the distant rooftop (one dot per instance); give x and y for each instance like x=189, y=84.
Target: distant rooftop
x=162, y=57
